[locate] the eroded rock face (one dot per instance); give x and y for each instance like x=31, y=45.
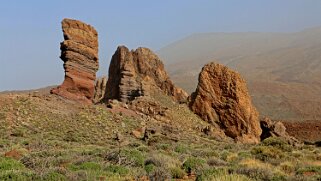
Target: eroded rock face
x=276, y=129
x=100, y=89
x=134, y=73
x=222, y=98
x=79, y=51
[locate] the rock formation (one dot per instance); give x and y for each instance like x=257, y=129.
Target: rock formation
x=100, y=89
x=134, y=73
x=79, y=51
x=276, y=129
x=222, y=98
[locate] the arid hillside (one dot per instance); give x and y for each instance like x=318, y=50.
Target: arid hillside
x=283, y=70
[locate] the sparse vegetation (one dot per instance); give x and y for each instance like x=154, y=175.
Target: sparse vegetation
x=61, y=141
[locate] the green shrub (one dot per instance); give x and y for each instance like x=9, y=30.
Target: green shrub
x=86, y=166
x=163, y=146
x=10, y=164
x=244, y=154
x=224, y=155
x=230, y=177
x=71, y=136
x=130, y=157
x=192, y=163
x=216, y=162
x=117, y=169
x=265, y=153
x=278, y=143
x=309, y=169
x=54, y=176
x=208, y=174
x=143, y=149
x=287, y=167
x=160, y=173
x=18, y=175
x=177, y=173
x=204, y=152
x=149, y=168
x=255, y=173
x=181, y=149
x=134, y=157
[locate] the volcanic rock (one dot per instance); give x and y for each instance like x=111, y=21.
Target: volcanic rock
x=79, y=51
x=139, y=133
x=276, y=129
x=100, y=89
x=150, y=108
x=135, y=73
x=222, y=98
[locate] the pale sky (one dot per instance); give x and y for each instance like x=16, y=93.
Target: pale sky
x=31, y=30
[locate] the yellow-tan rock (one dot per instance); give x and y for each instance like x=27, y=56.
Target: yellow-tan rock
x=222, y=99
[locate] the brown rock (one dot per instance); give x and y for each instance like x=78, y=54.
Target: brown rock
x=100, y=89
x=15, y=154
x=222, y=98
x=79, y=51
x=276, y=129
x=151, y=108
x=139, y=133
x=134, y=73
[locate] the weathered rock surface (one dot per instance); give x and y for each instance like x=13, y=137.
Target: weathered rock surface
x=100, y=89
x=134, y=73
x=276, y=129
x=79, y=51
x=222, y=98
x=151, y=108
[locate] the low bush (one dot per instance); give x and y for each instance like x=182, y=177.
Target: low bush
x=181, y=149
x=309, y=170
x=54, y=176
x=85, y=166
x=220, y=175
x=10, y=175
x=266, y=153
x=216, y=162
x=278, y=143
x=160, y=173
x=117, y=169
x=192, y=163
x=10, y=164
x=177, y=173
x=287, y=167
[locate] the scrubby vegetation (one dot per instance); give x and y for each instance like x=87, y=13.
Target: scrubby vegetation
x=51, y=140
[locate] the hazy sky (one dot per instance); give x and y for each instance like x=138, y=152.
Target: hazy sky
x=30, y=30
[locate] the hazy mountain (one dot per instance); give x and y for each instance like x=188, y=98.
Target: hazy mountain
x=283, y=70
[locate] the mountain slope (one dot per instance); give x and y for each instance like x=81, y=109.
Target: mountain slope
x=283, y=70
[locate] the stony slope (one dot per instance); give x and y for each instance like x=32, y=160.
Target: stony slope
x=45, y=137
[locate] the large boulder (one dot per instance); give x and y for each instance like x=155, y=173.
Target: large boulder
x=222, y=99
x=135, y=73
x=79, y=51
x=276, y=129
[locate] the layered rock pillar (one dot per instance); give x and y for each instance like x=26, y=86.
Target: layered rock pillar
x=79, y=52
